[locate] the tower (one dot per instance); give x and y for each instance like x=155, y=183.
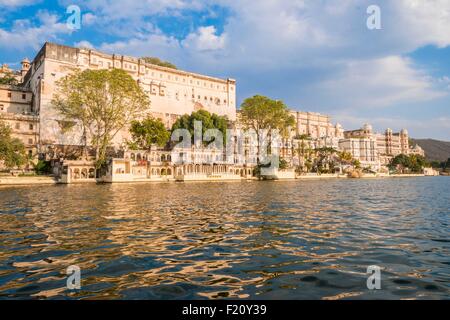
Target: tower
x=388, y=141
x=404, y=141
x=25, y=67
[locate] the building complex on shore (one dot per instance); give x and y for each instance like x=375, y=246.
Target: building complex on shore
x=27, y=108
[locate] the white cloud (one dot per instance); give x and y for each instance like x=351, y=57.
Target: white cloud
x=84, y=44
x=291, y=32
x=24, y=34
x=379, y=83
x=147, y=45
x=422, y=22
x=205, y=39
x=88, y=19
x=132, y=10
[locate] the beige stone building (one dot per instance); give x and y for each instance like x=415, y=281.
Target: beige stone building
x=390, y=144
x=27, y=109
x=5, y=70
x=315, y=125
x=15, y=110
x=172, y=92
x=385, y=146
x=417, y=150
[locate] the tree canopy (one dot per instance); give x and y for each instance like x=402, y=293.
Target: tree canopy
x=159, y=62
x=346, y=157
x=209, y=121
x=261, y=114
x=12, y=150
x=103, y=102
x=147, y=133
x=8, y=78
x=445, y=165
x=413, y=163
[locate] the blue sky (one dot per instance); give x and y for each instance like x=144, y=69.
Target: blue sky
x=316, y=55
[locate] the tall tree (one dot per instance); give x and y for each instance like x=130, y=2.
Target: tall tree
x=103, y=102
x=159, y=62
x=262, y=113
x=414, y=163
x=209, y=121
x=345, y=157
x=8, y=78
x=12, y=150
x=147, y=133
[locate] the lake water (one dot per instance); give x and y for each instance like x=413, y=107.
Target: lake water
x=256, y=240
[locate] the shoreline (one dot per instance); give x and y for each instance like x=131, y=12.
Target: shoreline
x=31, y=180
x=48, y=180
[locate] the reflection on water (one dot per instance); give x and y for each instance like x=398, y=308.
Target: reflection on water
x=257, y=240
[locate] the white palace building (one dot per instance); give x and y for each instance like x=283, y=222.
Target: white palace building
x=27, y=109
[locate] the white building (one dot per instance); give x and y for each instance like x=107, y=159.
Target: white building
x=172, y=92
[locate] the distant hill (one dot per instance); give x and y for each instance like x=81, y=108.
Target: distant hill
x=434, y=149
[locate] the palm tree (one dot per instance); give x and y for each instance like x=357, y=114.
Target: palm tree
x=303, y=151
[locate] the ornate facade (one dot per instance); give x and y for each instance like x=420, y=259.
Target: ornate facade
x=172, y=92
x=15, y=111
x=27, y=109
x=315, y=125
x=384, y=146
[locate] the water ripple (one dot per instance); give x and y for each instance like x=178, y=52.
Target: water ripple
x=258, y=240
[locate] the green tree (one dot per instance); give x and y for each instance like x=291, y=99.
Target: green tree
x=159, y=62
x=345, y=157
x=413, y=163
x=302, y=137
x=209, y=121
x=435, y=164
x=103, y=102
x=356, y=163
x=12, y=150
x=447, y=164
x=147, y=133
x=326, y=159
x=43, y=167
x=8, y=78
x=261, y=113
x=283, y=165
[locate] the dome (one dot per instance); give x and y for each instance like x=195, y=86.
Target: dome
x=25, y=60
x=404, y=132
x=389, y=130
x=367, y=127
